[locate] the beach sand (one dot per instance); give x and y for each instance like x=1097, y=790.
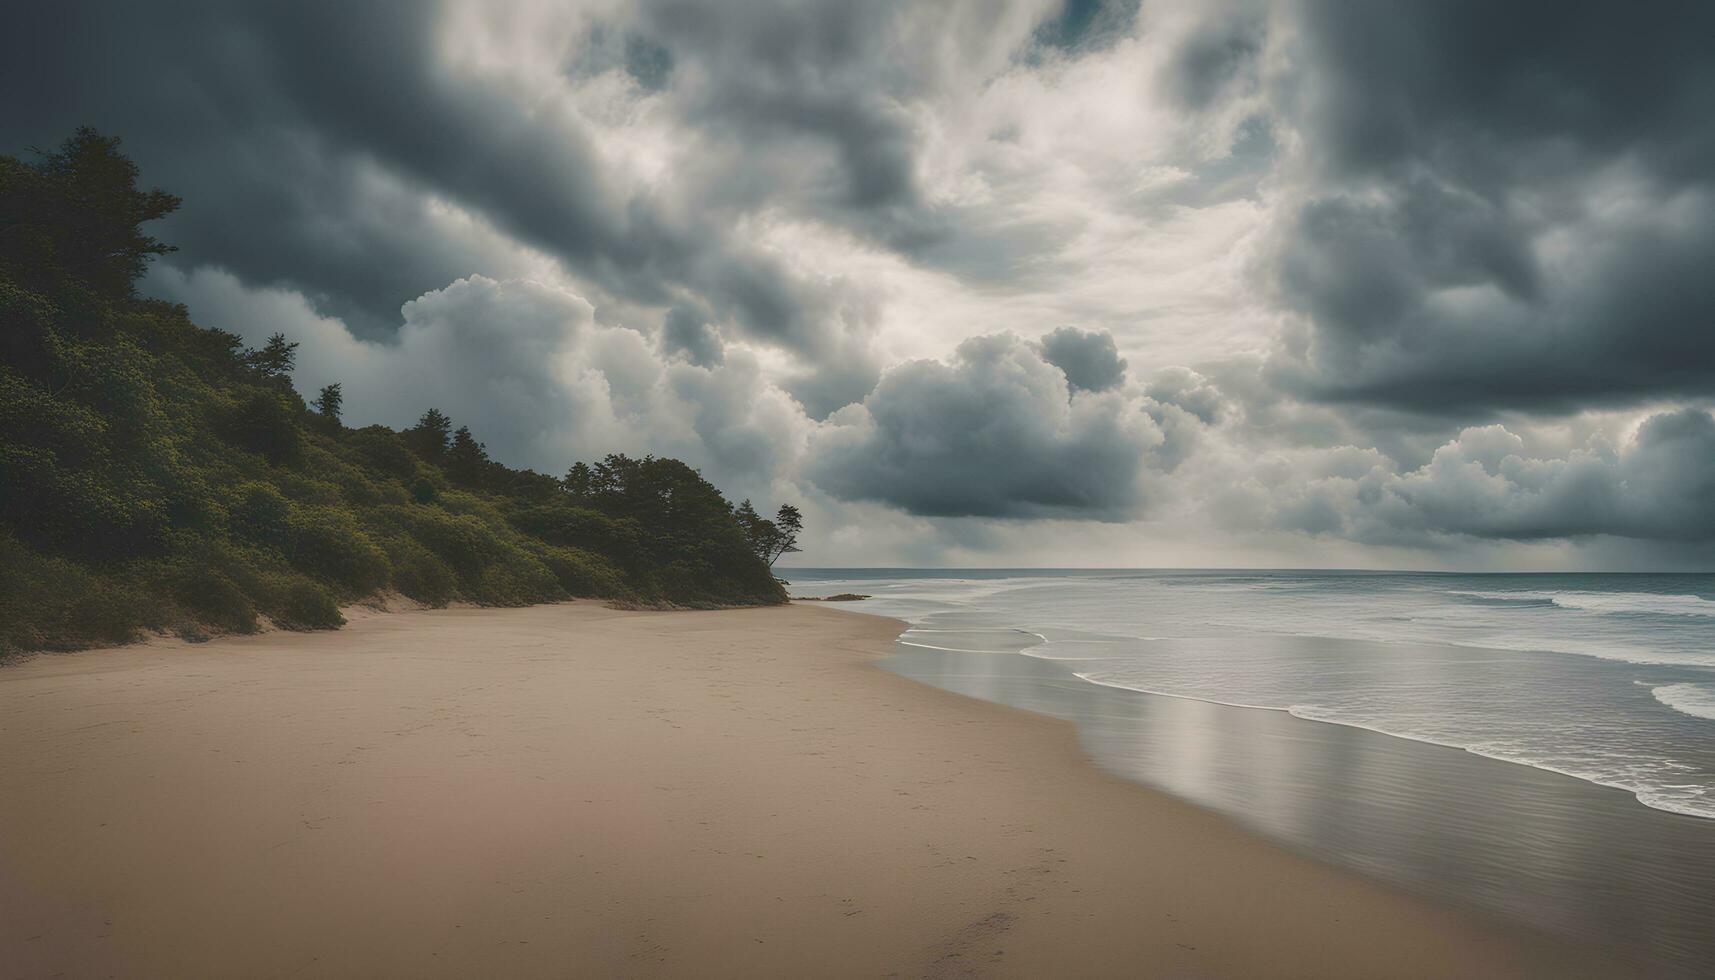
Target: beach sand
x=571, y=790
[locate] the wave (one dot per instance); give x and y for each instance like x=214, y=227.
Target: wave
x=1503, y=598
x=931, y=646
x=1035, y=639
x=1687, y=799
x=1696, y=700
x=1601, y=603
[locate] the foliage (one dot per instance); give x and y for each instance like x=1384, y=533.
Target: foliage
x=466, y=461
x=428, y=438
x=688, y=542
x=74, y=217
x=330, y=404
x=770, y=539
x=275, y=360
x=158, y=475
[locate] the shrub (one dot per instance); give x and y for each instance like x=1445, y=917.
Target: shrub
x=262, y=422
x=462, y=541
x=419, y=575
x=581, y=573
x=383, y=450
x=518, y=581
x=53, y=603
x=258, y=512
x=214, y=600
x=300, y=604
x=563, y=523
x=326, y=543
x=105, y=611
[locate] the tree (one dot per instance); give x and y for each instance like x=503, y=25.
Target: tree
x=276, y=358
x=747, y=517
x=466, y=460
x=770, y=539
x=758, y=530
x=788, y=524
x=430, y=435
x=580, y=480
x=329, y=403
x=154, y=474
x=75, y=214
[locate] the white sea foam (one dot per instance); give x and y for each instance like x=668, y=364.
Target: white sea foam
x=1644, y=782
x=1697, y=700
x=911, y=638
x=931, y=646
x=1605, y=603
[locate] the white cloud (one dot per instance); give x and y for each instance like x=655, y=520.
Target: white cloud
x=807, y=248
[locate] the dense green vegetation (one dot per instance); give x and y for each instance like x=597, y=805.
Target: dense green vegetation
x=159, y=475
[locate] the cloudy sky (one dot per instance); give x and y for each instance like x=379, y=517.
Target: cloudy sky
x=1010, y=282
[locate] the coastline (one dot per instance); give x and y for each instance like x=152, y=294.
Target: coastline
x=528, y=791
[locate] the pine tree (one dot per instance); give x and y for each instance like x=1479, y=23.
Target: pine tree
x=76, y=214
x=276, y=358
x=758, y=530
x=330, y=403
x=788, y=523
x=580, y=480
x=429, y=436
x=466, y=459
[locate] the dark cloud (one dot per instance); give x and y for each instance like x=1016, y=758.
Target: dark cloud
x=991, y=433
x=606, y=47
x=1395, y=87
x=1085, y=24
x=1503, y=205
x=283, y=127
x=810, y=75
x=1465, y=212
x=686, y=331
x=1219, y=53
x=837, y=382
x=319, y=145
x=1090, y=359
x=821, y=105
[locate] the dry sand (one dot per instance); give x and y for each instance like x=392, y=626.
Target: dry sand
x=575, y=791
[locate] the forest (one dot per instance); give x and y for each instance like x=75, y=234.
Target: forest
x=157, y=475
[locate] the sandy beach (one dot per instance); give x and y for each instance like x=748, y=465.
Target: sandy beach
x=571, y=790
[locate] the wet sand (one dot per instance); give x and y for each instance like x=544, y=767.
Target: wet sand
x=1546, y=850
x=576, y=791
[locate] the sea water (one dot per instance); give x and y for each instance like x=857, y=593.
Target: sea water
x=1348, y=715
x=1609, y=678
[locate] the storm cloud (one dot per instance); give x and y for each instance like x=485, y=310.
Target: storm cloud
x=1499, y=206
x=996, y=431
x=1424, y=281
x=365, y=154
x=1089, y=359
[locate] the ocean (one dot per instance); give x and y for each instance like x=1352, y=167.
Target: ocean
x=1321, y=710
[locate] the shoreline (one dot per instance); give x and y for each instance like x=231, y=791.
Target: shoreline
x=1294, y=711
x=740, y=792
x=1524, y=843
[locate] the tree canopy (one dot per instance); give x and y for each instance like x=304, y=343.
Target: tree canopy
x=771, y=539
x=73, y=217
x=330, y=403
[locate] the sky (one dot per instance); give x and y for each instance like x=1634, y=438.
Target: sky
x=1003, y=283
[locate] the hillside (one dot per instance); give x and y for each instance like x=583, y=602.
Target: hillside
x=155, y=474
